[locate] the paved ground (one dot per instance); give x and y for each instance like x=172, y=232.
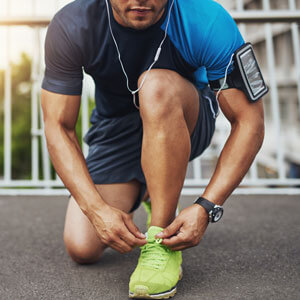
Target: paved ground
x=254, y=253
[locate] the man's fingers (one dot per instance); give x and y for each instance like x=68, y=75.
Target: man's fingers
x=173, y=241
x=133, y=228
x=120, y=245
x=130, y=239
x=179, y=248
x=170, y=230
x=176, y=244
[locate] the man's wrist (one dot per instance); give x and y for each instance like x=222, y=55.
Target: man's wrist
x=89, y=205
x=202, y=213
x=214, y=211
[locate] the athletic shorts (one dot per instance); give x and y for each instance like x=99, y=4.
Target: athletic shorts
x=115, y=144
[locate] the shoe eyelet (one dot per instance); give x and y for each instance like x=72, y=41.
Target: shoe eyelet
x=158, y=241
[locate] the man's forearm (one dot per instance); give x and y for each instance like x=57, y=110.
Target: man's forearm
x=70, y=165
x=235, y=160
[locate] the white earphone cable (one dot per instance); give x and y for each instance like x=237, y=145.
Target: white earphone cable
x=155, y=58
x=225, y=78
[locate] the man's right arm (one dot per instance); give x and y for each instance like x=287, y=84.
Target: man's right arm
x=60, y=116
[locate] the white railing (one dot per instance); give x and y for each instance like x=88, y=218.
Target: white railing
x=278, y=151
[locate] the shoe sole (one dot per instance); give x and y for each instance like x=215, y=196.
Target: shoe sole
x=141, y=292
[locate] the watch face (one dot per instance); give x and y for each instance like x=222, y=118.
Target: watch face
x=217, y=214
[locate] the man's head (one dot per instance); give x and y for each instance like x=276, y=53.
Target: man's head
x=138, y=14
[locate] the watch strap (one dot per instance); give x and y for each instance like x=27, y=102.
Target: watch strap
x=205, y=203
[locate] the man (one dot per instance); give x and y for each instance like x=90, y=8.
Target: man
x=141, y=142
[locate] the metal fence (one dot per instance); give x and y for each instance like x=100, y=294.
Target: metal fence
x=279, y=153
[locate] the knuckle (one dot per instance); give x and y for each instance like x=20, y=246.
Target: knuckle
x=105, y=239
x=120, y=232
x=132, y=243
x=126, y=217
x=166, y=231
x=109, y=240
x=195, y=234
x=195, y=242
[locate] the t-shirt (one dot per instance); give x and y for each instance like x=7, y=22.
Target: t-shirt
x=201, y=39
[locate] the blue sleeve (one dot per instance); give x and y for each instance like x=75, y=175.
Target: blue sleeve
x=63, y=59
x=222, y=40
x=205, y=35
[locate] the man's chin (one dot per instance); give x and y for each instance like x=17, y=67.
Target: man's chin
x=140, y=25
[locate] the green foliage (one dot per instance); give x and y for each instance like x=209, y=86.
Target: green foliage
x=20, y=97
x=21, y=119
x=1, y=88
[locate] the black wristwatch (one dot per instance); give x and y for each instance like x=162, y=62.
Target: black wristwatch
x=215, y=212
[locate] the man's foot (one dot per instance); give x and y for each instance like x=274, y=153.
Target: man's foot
x=158, y=270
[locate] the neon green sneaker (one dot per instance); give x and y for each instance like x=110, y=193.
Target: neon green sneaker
x=147, y=207
x=158, y=270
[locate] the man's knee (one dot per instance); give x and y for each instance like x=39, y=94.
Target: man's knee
x=81, y=252
x=160, y=95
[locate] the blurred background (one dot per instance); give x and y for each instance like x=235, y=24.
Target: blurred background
x=272, y=26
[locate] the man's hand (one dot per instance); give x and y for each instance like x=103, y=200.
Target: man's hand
x=116, y=229
x=186, y=230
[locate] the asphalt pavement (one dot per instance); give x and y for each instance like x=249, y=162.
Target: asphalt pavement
x=252, y=253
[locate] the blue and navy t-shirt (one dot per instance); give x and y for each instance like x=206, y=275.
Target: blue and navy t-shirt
x=201, y=39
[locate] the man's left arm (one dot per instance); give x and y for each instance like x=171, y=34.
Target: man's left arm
x=244, y=142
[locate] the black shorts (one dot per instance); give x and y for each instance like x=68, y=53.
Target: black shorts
x=115, y=144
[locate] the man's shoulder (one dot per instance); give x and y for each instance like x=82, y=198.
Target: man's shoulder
x=197, y=18
x=204, y=9
x=205, y=19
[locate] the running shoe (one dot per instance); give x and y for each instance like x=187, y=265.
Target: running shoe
x=147, y=207
x=158, y=270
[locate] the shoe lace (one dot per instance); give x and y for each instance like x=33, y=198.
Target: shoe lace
x=154, y=254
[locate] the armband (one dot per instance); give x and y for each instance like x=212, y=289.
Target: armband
x=246, y=75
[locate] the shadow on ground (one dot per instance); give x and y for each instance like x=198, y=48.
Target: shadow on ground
x=253, y=253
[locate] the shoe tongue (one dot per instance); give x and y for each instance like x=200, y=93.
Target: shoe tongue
x=153, y=231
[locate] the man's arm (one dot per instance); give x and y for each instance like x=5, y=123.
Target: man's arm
x=60, y=116
x=244, y=142
x=114, y=227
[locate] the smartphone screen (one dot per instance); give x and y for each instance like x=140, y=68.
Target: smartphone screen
x=252, y=72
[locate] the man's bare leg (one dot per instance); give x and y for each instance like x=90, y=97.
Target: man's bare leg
x=81, y=241
x=169, y=106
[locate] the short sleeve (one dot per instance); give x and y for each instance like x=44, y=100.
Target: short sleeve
x=63, y=59
x=222, y=41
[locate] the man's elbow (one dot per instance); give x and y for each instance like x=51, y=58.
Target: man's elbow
x=52, y=132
